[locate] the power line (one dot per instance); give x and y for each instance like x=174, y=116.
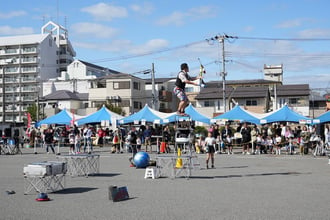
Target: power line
x=125, y=57
x=283, y=39
x=211, y=40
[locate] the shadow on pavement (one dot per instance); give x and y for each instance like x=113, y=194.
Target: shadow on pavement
x=247, y=175
x=106, y=174
x=75, y=190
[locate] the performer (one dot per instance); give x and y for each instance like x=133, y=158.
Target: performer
x=182, y=79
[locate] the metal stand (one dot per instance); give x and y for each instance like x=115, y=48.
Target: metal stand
x=82, y=164
x=180, y=165
x=44, y=183
x=44, y=176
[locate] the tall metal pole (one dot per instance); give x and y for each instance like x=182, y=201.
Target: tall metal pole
x=223, y=74
x=153, y=97
x=3, y=100
x=37, y=112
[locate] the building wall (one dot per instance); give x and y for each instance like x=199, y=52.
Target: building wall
x=48, y=66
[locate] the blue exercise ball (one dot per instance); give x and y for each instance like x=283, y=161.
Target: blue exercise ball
x=141, y=159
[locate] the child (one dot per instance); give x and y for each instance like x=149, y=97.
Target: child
x=259, y=144
x=269, y=144
x=72, y=142
x=229, y=144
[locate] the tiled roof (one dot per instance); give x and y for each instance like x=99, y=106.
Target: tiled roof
x=66, y=95
x=239, y=92
x=292, y=90
x=98, y=67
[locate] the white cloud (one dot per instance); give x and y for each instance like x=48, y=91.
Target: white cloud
x=105, y=12
x=7, y=30
x=291, y=23
x=202, y=12
x=12, y=14
x=125, y=47
x=314, y=33
x=179, y=18
x=93, y=29
x=176, y=18
x=145, y=8
x=314, y=80
x=149, y=46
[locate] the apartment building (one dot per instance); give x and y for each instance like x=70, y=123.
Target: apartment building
x=25, y=62
x=122, y=90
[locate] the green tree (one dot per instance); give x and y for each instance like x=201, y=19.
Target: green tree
x=115, y=109
x=33, y=112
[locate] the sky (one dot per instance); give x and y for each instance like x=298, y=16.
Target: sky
x=130, y=36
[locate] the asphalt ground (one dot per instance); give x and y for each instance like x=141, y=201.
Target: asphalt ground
x=240, y=187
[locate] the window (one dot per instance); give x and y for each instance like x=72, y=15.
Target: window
x=293, y=101
x=121, y=85
x=136, y=85
x=208, y=103
x=251, y=103
x=137, y=105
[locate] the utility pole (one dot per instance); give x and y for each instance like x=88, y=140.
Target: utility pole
x=222, y=41
x=153, y=94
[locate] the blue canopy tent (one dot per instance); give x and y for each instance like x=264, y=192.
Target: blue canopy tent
x=325, y=117
x=284, y=114
x=64, y=117
x=103, y=114
x=238, y=114
x=146, y=114
x=193, y=115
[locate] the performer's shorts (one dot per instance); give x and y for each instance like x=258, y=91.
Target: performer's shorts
x=180, y=94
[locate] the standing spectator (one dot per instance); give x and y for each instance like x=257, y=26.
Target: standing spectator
x=226, y=135
x=147, y=137
x=32, y=137
x=72, y=141
x=246, y=138
x=278, y=144
x=304, y=139
x=327, y=135
x=49, y=139
x=101, y=135
x=116, y=141
x=254, y=134
x=88, y=140
x=216, y=136
x=132, y=138
x=209, y=149
x=77, y=141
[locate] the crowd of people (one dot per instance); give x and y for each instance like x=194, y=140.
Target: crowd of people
x=265, y=139
x=249, y=139
x=82, y=139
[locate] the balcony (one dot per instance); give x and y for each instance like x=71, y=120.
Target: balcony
x=28, y=60
x=29, y=69
x=11, y=51
x=29, y=50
